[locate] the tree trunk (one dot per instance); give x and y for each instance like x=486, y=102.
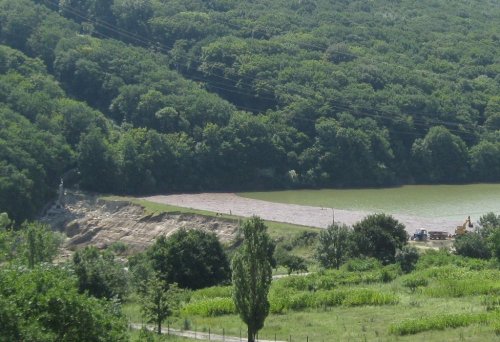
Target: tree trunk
x=251, y=335
x=159, y=327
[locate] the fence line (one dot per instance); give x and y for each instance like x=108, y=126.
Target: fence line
x=209, y=335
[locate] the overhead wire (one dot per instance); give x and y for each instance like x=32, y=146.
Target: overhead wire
x=236, y=90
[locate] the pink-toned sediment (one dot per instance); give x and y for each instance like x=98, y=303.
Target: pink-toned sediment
x=230, y=203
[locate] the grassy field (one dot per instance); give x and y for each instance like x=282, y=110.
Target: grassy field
x=448, y=298
x=458, y=301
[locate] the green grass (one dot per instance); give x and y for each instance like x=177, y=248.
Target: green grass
x=137, y=336
x=454, y=299
x=440, y=322
x=353, y=323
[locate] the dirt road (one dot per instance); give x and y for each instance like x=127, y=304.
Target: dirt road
x=207, y=336
x=230, y=203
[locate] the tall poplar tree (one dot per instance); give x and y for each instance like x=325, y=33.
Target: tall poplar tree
x=252, y=275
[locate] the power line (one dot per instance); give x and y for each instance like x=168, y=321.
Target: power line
x=233, y=89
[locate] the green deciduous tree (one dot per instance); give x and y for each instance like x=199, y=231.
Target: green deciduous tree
x=293, y=263
x=43, y=304
x=159, y=301
x=40, y=244
x=379, y=236
x=440, y=157
x=334, y=245
x=99, y=274
x=96, y=163
x=407, y=258
x=191, y=258
x=252, y=276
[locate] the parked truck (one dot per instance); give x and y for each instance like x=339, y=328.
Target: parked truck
x=438, y=235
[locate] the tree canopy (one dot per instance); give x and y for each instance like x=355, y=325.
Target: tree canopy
x=190, y=258
x=164, y=96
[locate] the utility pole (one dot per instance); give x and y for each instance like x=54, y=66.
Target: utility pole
x=333, y=216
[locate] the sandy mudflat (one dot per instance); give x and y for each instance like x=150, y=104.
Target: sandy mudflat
x=290, y=213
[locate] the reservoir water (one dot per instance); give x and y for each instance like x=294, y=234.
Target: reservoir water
x=450, y=202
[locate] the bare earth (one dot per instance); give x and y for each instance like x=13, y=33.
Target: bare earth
x=88, y=220
x=230, y=203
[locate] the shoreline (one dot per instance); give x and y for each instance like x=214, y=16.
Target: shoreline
x=320, y=217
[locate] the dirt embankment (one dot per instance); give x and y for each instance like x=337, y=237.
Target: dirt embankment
x=88, y=220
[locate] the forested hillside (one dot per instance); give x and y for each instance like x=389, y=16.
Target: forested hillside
x=142, y=96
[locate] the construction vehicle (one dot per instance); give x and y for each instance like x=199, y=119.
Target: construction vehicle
x=420, y=235
x=461, y=230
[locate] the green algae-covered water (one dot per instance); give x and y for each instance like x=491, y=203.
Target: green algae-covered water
x=432, y=201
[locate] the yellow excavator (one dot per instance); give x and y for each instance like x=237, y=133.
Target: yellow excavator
x=461, y=230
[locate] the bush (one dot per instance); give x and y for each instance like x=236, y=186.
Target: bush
x=443, y=257
x=414, y=282
x=100, y=274
x=472, y=245
x=407, y=257
x=494, y=243
x=362, y=264
x=293, y=263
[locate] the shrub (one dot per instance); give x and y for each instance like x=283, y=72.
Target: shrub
x=494, y=243
x=407, y=258
x=414, y=282
x=362, y=264
x=472, y=245
x=389, y=273
x=293, y=263
x=443, y=257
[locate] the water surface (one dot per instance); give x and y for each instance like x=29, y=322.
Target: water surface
x=429, y=201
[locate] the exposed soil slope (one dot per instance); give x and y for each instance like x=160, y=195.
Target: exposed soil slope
x=88, y=220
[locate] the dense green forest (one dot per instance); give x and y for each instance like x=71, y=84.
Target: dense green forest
x=143, y=96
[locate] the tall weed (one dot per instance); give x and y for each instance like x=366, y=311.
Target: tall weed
x=437, y=322
x=209, y=307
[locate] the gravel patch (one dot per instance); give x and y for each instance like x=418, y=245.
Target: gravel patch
x=230, y=203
